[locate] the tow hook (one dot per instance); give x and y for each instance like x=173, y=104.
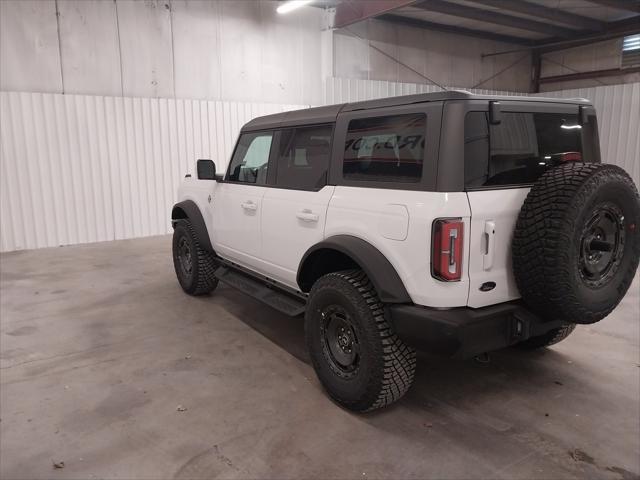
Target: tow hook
x=483, y=358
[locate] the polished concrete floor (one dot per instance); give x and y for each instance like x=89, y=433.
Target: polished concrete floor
x=100, y=347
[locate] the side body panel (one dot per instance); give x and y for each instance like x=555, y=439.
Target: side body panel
x=236, y=222
x=398, y=223
x=292, y=222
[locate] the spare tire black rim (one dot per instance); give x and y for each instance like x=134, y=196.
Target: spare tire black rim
x=602, y=245
x=184, y=255
x=339, y=341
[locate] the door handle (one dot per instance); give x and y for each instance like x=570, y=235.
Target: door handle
x=249, y=205
x=307, y=215
x=490, y=234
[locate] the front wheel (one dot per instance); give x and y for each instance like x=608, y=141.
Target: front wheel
x=358, y=357
x=194, y=266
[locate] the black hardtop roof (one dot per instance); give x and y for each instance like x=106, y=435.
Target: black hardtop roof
x=328, y=114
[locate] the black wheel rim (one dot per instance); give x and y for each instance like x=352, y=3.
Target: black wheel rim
x=340, y=344
x=184, y=256
x=602, y=245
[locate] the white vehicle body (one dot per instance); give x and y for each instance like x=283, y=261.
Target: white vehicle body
x=272, y=235
x=447, y=222
x=268, y=229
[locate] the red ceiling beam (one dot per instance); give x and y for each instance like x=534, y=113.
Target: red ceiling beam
x=349, y=12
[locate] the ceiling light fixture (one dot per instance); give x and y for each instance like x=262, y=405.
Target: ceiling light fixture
x=286, y=7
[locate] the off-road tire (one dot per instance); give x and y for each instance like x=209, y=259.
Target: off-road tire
x=550, y=338
x=386, y=365
x=548, y=245
x=201, y=280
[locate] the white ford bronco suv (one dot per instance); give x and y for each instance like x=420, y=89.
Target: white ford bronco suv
x=448, y=222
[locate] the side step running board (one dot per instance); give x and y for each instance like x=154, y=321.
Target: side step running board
x=273, y=297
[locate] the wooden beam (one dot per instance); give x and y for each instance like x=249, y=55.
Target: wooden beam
x=489, y=16
x=469, y=32
x=350, y=11
x=540, y=11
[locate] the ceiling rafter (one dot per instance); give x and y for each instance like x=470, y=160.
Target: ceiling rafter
x=479, y=14
x=349, y=12
x=469, y=32
x=625, y=5
x=540, y=11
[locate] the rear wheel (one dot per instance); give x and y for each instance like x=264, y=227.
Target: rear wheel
x=194, y=266
x=358, y=357
x=550, y=338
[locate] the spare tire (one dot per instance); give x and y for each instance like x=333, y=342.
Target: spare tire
x=576, y=243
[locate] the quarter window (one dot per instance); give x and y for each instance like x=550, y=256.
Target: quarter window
x=519, y=149
x=385, y=149
x=303, y=157
x=251, y=158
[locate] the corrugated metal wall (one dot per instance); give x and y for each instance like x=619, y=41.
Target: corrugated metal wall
x=78, y=169
x=618, y=108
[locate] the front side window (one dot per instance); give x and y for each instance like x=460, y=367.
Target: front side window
x=303, y=157
x=385, y=149
x=519, y=149
x=251, y=158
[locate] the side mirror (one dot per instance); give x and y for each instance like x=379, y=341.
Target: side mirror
x=206, y=169
x=495, y=115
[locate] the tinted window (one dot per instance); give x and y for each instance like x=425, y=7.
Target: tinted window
x=385, y=149
x=520, y=149
x=303, y=157
x=251, y=158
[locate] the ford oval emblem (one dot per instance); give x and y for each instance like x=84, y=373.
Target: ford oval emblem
x=487, y=286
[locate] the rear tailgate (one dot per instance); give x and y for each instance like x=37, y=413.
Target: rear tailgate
x=493, y=219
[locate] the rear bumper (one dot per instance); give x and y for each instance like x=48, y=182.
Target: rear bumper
x=466, y=332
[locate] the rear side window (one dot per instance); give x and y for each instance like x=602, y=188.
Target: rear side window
x=303, y=157
x=385, y=149
x=251, y=158
x=520, y=149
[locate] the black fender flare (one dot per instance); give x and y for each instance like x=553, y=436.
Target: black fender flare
x=382, y=274
x=189, y=210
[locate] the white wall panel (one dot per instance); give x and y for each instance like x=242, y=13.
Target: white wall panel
x=29, y=54
x=224, y=49
x=146, y=48
x=447, y=58
x=89, y=46
x=342, y=90
x=78, y=169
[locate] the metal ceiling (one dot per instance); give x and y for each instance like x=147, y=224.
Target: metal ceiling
x=544, y=25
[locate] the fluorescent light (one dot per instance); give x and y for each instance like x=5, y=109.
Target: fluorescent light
x=292, y=5
x=570, y=127
x=630, y=43
x=542, y=163
x=547, y=157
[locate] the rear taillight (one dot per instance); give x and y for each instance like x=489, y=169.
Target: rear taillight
x=571, y=157
x=446, y=252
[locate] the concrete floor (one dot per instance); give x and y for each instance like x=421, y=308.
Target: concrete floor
x=99, y=346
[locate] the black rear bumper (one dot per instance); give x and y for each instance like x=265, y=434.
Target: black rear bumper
x=466, y=332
